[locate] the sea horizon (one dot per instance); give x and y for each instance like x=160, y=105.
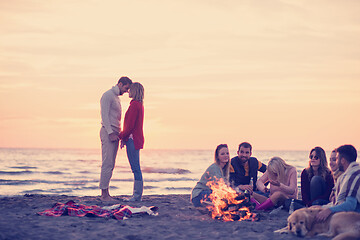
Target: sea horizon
x=76, y=171
x=156, y=149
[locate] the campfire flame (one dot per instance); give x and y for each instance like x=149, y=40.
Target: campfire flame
x=227, y=204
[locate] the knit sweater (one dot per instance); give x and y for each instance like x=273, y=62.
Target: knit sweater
x=133, y=124
x=111, y=109
x=289, y=187
x=212, y=173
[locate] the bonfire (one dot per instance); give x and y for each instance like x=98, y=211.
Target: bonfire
x=227, y=204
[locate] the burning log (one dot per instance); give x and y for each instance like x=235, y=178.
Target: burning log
x=228, y=205
x=231, y=207
x=235, y=217
x=240, y=196
x=242, y=213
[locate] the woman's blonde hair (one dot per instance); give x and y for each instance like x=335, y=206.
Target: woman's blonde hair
x=278, y=167
x=137, y=91
x=226, y=169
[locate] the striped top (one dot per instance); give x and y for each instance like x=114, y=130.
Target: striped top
x=348, y=184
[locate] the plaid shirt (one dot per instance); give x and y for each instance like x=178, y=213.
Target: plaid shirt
x=79, y=210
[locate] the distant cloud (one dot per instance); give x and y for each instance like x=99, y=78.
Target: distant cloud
x=15, y=118
x=90, y=106
x=14, y=85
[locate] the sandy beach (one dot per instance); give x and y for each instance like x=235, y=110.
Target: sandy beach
x=177, y=219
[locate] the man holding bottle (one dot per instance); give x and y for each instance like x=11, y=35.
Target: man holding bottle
x=244, y=169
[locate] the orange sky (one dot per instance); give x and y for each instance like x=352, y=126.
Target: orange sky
x=283, y=75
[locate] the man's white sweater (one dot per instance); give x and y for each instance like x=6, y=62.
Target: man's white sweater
x=111, y=110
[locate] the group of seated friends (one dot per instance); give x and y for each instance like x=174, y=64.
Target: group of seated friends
x=335, y=188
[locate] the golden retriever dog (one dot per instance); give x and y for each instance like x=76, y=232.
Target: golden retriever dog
x=341, y=225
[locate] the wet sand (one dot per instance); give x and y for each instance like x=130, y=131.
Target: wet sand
x=177, y=219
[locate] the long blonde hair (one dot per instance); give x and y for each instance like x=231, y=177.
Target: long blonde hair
x=137, y=91
x=226, y=169
x=278, y=167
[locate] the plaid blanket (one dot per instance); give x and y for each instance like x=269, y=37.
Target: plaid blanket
x=79, y=210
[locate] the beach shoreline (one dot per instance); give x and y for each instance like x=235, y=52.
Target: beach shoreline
x=177, y=219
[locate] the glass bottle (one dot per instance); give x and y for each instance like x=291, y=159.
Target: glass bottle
x=291, y=208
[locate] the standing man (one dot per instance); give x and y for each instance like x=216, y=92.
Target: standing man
x=347, y=188
x=109, y=132
x=244, y=168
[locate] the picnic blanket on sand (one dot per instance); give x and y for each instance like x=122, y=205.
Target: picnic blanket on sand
x=117, y=211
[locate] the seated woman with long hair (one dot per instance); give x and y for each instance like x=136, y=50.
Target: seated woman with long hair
x=218, y=170
x=317, y=181
x=283, y=184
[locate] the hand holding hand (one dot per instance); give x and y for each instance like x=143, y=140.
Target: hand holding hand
x=113, y=137
x=122, y=144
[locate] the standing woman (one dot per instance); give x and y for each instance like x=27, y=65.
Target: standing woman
x=220, y=169
x=317, y=181
x=283, y=184
x=133, y=137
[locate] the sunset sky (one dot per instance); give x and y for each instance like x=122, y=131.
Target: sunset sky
x=281, y=74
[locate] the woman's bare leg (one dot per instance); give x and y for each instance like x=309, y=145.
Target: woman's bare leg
x=258, y=197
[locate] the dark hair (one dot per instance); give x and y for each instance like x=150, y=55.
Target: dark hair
x=218, y=149
x=125, y=80
x=245, y=145
x=348, y=152
x=323, y=168
x=226, y=169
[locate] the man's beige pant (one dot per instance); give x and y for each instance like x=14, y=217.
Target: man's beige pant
x=108, y=152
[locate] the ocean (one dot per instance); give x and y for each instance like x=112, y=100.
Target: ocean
x=76, y=172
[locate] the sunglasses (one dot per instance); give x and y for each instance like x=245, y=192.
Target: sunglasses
x=314, y=157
